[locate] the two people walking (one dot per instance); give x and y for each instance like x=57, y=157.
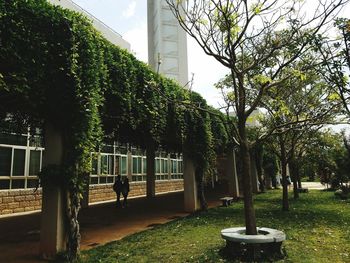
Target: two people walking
x=121, y=188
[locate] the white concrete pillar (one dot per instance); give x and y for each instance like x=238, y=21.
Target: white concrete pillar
x=53, y=234
x=232, y=177
x=190, y=186
x=151, y=176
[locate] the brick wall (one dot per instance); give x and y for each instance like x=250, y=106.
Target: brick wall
x=99, y=193
x=169, y=186
x=17, y=201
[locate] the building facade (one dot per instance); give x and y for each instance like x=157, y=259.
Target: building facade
x=21, y=155
x=21, y=160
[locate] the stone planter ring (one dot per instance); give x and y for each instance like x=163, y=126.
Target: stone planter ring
x=266, y=244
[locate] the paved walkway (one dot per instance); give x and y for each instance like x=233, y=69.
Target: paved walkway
x=100, y=224
x=313, y=185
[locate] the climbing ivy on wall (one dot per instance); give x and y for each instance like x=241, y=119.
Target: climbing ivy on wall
x=56, y=68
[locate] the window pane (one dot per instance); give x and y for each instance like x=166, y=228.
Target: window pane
x=94, y=164
x=123, y=165
x=165, y=166
x=144, y=167
x=4, y=184
x=110, y=180
x=93, y=180
x=17, y=184
x=162, y=166
x=117, y=165
x=173, y=166
x=35, y=141
x=134, y=165
x=157, y=166
x=34, y=163
x=13, y=139
x=5, y=161
x=139, y=165
x=104, y=164
x=110, y=164
x=18, y=162
x=103, y=180
x=32, y=183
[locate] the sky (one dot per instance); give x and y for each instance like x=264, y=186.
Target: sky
x=129, y=18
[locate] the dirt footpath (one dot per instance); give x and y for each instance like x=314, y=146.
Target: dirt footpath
x=100, y=224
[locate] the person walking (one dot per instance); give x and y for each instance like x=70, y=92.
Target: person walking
x=118, y=187
x=125, y=190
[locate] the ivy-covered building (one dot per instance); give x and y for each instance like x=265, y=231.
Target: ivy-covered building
x=21, y=157
x=84, y=94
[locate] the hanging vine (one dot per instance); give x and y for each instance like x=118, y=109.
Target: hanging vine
x=55, y=67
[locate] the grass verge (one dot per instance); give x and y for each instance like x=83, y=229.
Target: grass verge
x=317, y=228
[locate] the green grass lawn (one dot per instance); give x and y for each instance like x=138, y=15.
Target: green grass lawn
x=317, y=228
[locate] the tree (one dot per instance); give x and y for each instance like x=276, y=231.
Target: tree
x=325, y=156
x=336, y=61
x=270, y=166
x=301, y=107
x=249, y=39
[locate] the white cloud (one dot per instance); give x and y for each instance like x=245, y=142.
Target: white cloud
x=130, y=10
x=137, y=37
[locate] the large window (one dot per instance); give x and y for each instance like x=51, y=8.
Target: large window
x=20, y=162
x=162, y=168
x=139, y=168
x=106, y=166
x=176, y=169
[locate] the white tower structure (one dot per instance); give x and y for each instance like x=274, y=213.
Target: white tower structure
x=167, y=44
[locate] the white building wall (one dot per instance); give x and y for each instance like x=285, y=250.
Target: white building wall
x=167, y=42
x=105, y=30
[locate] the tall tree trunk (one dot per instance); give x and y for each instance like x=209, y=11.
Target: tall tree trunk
x=259, y=163
x=293, y=172
x=285, y=203
x=299, y=181
x=74, y=237
x=200, y=188
x=249, y=212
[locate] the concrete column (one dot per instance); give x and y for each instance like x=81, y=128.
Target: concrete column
x=232, y=177
x=151, y=176
x=53, y=233
x=254, y=174
x=190, y=186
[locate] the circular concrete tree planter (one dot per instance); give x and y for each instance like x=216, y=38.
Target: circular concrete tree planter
x=266, y=244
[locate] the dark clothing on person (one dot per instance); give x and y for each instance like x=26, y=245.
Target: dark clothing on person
x=117, y=187
x=125, y=190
